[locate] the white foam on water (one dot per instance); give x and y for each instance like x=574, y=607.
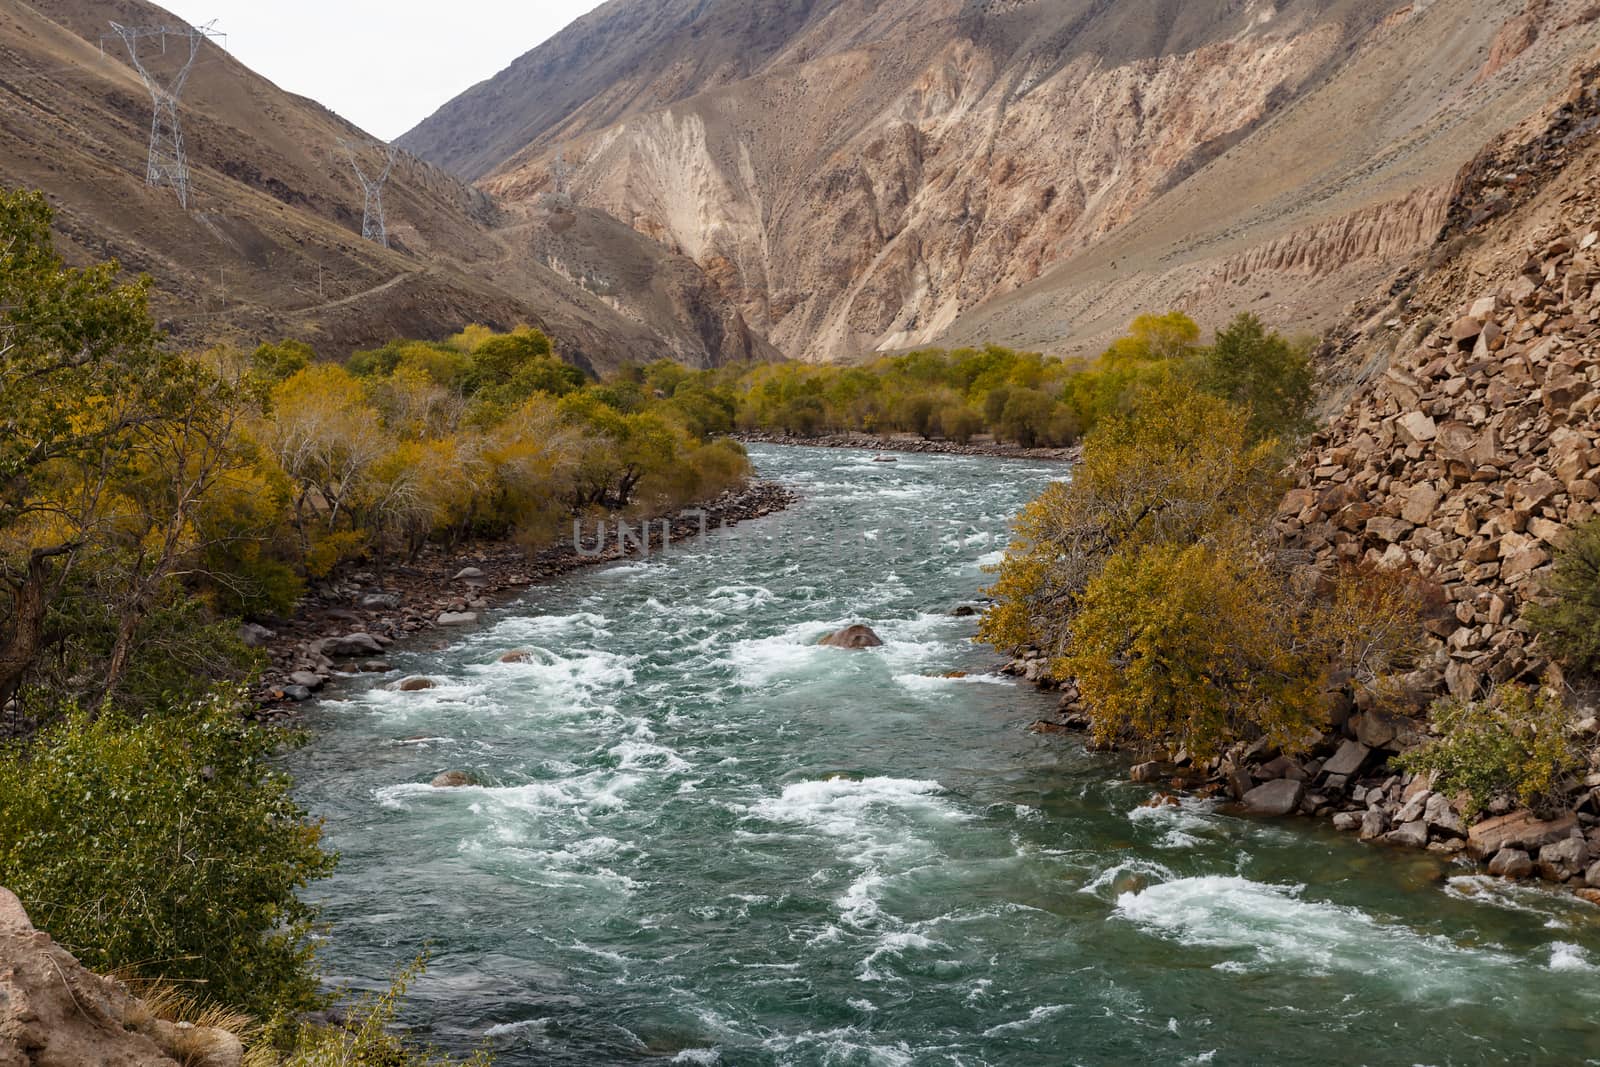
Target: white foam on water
x=570, y=681
x=1186, y=823
x=644, y=755
x=939, y=686
x=991, y=559
x=1037, y=1015
x=858, y=905
x=1282, y=930
x=790, y=654
x=845, y=1045
x=530, y=626
x=868, y=816
x=597, y=791
x=506, y=1029
x=894, y=945
x=728, y=598
x=1533, y=898
x=1129, y=870
x=708, y=1056
x=1569, y=957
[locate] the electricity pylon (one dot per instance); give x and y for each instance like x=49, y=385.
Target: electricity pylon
x=373, y=227
x=168, y=165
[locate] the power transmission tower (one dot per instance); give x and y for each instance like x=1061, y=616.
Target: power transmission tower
x=373, y=227
x=168, y=165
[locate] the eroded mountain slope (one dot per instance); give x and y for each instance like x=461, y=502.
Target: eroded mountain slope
x=272, y=245
x=859, y=175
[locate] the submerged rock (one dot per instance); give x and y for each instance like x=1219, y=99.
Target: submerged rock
x=415, y=685
x=453, y=780
x=521, y=655
x=853, y=637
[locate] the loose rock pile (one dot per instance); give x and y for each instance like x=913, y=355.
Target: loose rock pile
x=1469, y=460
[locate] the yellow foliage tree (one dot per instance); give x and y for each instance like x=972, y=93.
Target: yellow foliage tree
x=1192, y=647
x=1176, y=469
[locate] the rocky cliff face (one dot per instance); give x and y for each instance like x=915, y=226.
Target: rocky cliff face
x=871, y=175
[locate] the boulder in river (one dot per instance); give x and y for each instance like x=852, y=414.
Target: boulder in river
x=1281, y=797
x=853, y=637
x=965, y=611
x=520, y=655
x=1511, y=863
x=453, y=780
x=415, y=685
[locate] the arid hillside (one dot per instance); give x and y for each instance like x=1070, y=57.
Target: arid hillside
x=861, y=175
x=271, y=245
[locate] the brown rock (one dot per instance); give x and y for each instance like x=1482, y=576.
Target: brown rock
x=853, y=637
x=1511, y=863
x=415, y=685
x=453, y=780
x=1465, y=331
x=1278, y=798
x=1520, y=829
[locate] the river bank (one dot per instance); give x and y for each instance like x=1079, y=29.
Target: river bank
x=347, y=625
x=913, y=444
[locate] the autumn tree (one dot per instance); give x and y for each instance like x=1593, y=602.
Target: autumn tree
x=1179, y=468
x=81, y=373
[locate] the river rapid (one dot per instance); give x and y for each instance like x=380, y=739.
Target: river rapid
x=702, y=839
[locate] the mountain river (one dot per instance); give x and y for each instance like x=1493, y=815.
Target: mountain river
x=702, y=839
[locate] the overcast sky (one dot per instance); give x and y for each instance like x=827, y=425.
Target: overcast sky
x=385, y=66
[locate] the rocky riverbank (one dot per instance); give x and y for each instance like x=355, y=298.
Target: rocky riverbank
x=1464, y=463
x=912, y=443
x=347, y=625
x=1351, y=778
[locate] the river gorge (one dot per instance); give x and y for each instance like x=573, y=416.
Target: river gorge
x=698, y=837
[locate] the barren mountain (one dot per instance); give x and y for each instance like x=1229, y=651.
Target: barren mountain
x=859, y=175
x=271, y=245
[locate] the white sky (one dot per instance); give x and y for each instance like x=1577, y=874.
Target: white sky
x=385, y=66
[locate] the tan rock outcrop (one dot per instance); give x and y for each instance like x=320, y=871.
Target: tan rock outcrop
x=55, y=1013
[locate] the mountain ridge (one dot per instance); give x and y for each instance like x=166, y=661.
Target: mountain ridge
x=893, y=174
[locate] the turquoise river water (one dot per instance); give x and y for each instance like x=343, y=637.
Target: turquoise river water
x=702, y=839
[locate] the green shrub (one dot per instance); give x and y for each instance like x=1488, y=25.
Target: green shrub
x=1514, y=744
x=167, y=847
x=1568, y=620
x=1264, y=373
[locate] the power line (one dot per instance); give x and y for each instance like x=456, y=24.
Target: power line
x=373, y=226
x=167, y=163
